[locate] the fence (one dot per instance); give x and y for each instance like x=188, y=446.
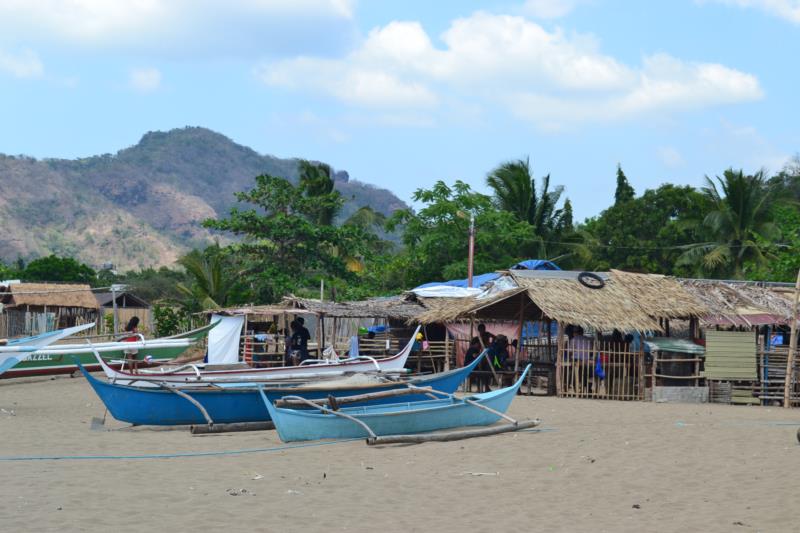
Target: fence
x=600, y=370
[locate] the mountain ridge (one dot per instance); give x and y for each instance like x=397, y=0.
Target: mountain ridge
x=143, y=206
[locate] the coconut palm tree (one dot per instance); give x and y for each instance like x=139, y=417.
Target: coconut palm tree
x=316, y=183
x=739, y=224
x=514, y=189
x=210, y=286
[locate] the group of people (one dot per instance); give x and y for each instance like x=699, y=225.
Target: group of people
x=497, y=357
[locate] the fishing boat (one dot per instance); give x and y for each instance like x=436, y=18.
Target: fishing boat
x=409, y=417
x=216, y=403
x=192, y=373
x=15, y=351
x=60, y=359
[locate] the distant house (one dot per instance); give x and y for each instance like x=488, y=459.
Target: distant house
x=128, y=306
x=32, y=308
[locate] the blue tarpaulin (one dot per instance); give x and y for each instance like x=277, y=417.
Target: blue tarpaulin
x=477, y=281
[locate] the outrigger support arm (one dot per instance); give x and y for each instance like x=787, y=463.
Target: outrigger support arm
x=189, y=399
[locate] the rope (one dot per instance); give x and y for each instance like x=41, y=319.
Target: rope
x=168, y=455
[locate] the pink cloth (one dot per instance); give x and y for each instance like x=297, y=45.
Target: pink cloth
x=460, y=333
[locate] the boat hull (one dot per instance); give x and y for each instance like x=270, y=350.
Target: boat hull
x=162, y=407
x=42, y=364
x=393, y=419
x=387, y=364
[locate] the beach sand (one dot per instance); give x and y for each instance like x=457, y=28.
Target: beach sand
x=594, y=466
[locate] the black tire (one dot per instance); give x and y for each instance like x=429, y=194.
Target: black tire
x=591, y=280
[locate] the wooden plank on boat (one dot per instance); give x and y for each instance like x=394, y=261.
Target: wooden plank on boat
x=231, y=428
x=452, y=435
x=343, y=400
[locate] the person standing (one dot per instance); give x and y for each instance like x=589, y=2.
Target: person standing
x=132, y=329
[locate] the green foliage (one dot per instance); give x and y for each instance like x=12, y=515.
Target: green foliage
x=153, y=284
x=785, y=261
x=739, y=225
x=644, y=234
x=624, y=192
x=286, y=247
x=211, y=283
x=436, y=237
x=316, y=183
x=169, y=320
x=54, y=268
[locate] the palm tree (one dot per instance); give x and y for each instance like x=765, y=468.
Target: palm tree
x=740, y=224
x=209, y=287
x=316, y=182
x=514, y=189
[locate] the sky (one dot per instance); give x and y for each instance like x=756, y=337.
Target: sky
x=404, y=93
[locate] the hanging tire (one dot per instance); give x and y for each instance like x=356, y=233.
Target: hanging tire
x=591, y=280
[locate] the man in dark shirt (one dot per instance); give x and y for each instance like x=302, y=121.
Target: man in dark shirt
x=298, y=343
x=486, y=337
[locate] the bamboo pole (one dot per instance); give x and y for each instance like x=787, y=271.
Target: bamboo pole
x=454, y=435
x=230, y=428
x=559, y=358
x=787, y=386
x=343, y=400
x=519, y=333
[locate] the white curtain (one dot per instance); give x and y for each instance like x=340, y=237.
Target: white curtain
x=223, y=339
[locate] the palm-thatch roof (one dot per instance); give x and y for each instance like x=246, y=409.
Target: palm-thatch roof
x=660, y=296
x=628, y=302
x=739, y=304
x=48, y=294
x=570, y=302
x=393, y=307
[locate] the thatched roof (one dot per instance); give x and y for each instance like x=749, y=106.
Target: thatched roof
x=396, y=307
x=629, y=302
x=567, y=301
x=49, y=294
x=660, y=296
x=739, y=304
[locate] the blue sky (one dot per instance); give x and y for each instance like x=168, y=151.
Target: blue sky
x=402, y=94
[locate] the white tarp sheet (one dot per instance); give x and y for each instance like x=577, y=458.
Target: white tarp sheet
x=446, y=291
x=223, y=339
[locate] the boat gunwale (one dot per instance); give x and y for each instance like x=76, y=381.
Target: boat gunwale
x=442, y=403
x=213, y=388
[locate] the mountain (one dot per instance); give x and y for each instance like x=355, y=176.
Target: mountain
x=142, y=206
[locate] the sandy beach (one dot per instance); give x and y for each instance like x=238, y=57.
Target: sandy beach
x=593, y=466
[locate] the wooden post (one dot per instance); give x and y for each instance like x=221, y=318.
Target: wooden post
x=446, y=350
x=519, y=333
x=787, y=386
x=559, y=357
x=320, y=334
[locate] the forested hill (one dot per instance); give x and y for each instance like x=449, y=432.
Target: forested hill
x=143, y=206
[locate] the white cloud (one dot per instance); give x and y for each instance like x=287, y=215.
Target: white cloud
x=169, y=25
x=23, y=64
x=547, y=77
x=548, y=9
x=746, y=147
x=786, y=9
x=145, y=80
x=670, y=157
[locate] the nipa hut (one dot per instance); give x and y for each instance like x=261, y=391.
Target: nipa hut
x=32, y=308
x=626, y=303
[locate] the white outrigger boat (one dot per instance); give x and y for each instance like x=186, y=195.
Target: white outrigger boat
x=15, y=351
x=310, y=369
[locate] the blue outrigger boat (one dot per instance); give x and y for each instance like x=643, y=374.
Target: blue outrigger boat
x=233, y=403
x=407, y=418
